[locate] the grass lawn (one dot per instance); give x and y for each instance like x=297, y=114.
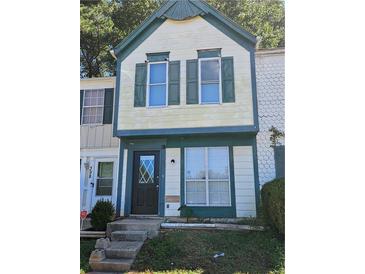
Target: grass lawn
x=86, y=247
x=192, y=252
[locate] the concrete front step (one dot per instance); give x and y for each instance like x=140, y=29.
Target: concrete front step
x=111, y=265
x=152, y=226
x=124, y=235
x=123, y=250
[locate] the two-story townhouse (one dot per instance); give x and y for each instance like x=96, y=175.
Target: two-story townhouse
x=99, y=150
x=186, y=115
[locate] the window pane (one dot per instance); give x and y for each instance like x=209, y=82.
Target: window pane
x=210, y=70
x=146, y=169
x=210, y=93
x=195, y=163
x=158, y=95
x=195, y=192
x=104, y=187
x=218, y=192
x=218, y=163
x=157, y=73
x=105, y=169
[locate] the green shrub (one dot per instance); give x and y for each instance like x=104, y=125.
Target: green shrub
x=273, y=204
x=102, y=213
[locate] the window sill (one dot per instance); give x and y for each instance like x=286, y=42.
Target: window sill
x=205, y=206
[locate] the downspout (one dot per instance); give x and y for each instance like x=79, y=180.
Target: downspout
x=113, y=54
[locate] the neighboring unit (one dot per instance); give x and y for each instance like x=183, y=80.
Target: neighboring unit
x=270, y=77
x=98, y=148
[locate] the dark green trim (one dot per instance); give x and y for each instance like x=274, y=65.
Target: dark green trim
x=208, y=53
x=140, y=84
x=108, y=106
x=174, y=83
x=234, y=35
x=182, y=10
x=192, y=82
x=81, y=104
x=158, y=56
x=254, y=90
x=228, y=92
x=140, y=145
x=117, y=95
x=180, y=131
x=233, y=183
x=120, y=176
x=213, y=211
x=256, y=174
x=231, y=25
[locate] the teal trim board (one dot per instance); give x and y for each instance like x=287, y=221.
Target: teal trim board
x=120, y=176
x=186, y=131
x=116, y=98
x=158, y=56
x=208, y=53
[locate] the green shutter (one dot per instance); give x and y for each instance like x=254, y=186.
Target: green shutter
x=228, y=80
x=81, y=104
x=108, y=106
x=174, y=83
x=192, y=90
x=140, y=85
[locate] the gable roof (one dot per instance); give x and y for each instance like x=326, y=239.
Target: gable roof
x=182, y=10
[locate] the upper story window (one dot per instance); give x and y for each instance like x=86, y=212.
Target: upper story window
x=210, y=80
x=93, y=106
x=157, y=87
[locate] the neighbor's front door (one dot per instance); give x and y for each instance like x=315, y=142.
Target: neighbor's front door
x=145, y=182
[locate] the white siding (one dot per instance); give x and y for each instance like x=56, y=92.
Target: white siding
x=124, y=178
x=270, y=71
x=244, y=181
x=182, y=39
x=172, y=180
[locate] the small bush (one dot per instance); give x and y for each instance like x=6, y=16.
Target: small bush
x=102, y=213
x=273, y=203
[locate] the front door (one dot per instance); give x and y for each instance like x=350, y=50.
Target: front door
x=145, y=182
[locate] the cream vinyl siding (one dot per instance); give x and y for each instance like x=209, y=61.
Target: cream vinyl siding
x=172, y=180
x=97, y=136
x=244, y=181
x=182, y=39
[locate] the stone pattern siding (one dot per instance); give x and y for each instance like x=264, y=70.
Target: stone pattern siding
x=270, y=80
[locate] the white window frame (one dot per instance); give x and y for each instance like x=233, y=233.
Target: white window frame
x=207, y=179
x=83, y=106
x=97, y=176
x=148, y=84
x=219, y=84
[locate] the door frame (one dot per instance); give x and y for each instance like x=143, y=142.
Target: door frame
x=132, y=146
x=95, y=166
x=136, y=164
